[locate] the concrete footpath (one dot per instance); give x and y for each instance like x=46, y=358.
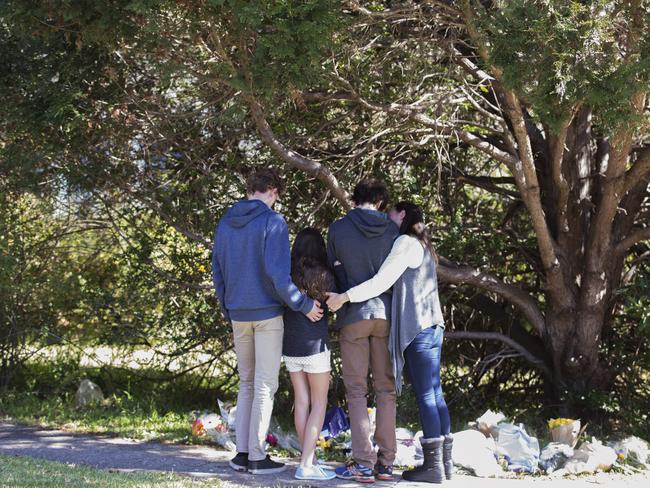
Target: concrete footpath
x=117, y=454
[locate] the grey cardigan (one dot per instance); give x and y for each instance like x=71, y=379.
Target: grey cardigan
x=415, y=306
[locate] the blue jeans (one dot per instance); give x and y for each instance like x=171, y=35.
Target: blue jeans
x=422, y=358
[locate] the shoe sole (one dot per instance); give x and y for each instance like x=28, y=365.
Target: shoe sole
x=315, y=478
x=435, y=482
x=237, y=467
x=384, y=478
x=354, y=478
x=267, y=471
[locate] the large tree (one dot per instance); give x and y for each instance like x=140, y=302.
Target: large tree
x=549, y=98
x=554, y=93
x=557, y=92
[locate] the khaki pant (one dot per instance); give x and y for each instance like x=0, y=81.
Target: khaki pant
x=364, y=344
x=258, y=346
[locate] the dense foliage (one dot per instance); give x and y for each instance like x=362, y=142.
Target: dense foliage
x=128, y=128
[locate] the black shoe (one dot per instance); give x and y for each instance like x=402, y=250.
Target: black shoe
x=432, y=469
x=240, y=462
x=383, y=473
x=265, y=466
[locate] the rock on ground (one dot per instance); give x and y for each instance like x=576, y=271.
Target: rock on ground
x=87, y=394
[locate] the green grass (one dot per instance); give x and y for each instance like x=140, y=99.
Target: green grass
x=28, y=472
x=119, y=416
x=134, y=407
x=139, y=408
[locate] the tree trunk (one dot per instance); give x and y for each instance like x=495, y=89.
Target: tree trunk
x=582, y=201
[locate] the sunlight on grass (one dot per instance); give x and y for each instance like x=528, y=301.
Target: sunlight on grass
x=27, y=472
x=133, y=408
x=123, y=418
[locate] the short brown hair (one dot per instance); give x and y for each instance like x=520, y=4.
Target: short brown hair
x=371, y=190
x=263, y=180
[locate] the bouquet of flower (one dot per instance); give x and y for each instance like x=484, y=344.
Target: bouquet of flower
x=214, y=426
x=565, y=431
x=342, y=442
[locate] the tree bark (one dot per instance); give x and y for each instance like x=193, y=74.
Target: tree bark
x=574, y=182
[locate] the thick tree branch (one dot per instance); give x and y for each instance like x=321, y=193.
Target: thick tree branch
x=523, y=169
x=601, y=246
x=497, y=336
x=471, y=67
x=633, y=238
x=616, y=181
x=526, y=177
x=487, y=184
x=597, y=287
x=557, y=141
x=293, y=159
x=325, y=97
x=450, y=272
x=640, y=170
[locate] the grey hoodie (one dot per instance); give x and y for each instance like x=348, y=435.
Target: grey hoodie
x=361, y=241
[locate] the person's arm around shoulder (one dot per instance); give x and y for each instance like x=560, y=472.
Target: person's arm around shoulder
x=277, y=263
x=406, y=252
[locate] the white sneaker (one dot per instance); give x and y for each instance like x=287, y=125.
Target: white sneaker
x=316, y=473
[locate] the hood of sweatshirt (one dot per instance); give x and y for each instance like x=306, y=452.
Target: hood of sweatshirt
x=371, y=223
x=245, y=211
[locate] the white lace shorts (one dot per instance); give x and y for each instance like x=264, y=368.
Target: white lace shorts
x=317, y=363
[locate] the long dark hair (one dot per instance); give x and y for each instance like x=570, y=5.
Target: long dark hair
x=413, y=225
x=309, y=268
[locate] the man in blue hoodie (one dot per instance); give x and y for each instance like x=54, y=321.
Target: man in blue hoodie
x=360, y=242
x=251, y=267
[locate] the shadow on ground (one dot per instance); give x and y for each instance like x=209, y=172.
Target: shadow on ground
x=206, y=462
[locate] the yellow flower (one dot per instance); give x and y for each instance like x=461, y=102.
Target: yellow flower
x=323, y=444
x=553, y=423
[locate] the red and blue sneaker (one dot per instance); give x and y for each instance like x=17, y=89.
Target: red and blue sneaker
x=384, y=473
x=355, y=471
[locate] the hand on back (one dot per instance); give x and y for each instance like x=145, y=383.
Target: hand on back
x=316, y=313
